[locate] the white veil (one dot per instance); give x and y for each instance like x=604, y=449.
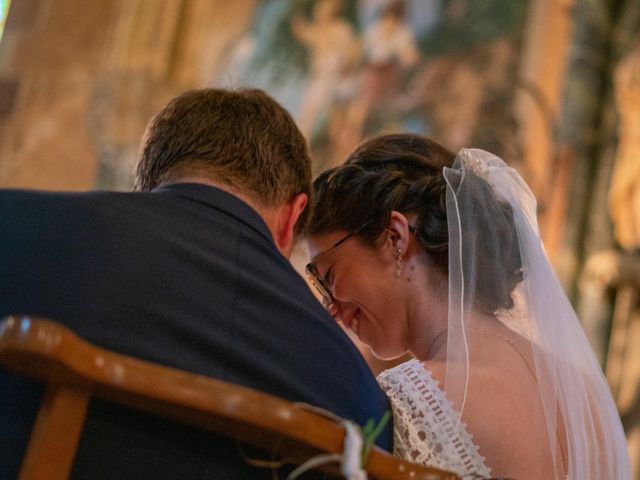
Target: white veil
x=584, y=434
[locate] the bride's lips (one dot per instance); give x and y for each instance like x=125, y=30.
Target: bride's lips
x=353, y=321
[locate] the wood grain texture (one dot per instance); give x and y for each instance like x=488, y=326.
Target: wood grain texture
x=76, y=370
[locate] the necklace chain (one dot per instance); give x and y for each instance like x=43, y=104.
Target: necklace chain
x=444, y=332
x=434, y=342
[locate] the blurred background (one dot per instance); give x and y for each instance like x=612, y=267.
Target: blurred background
x=551, y=86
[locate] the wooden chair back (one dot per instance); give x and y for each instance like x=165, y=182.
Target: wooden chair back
x=75, y=371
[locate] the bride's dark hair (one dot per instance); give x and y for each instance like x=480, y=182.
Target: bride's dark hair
x=404, y=172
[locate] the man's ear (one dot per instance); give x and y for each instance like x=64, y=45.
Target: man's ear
x=286, y=222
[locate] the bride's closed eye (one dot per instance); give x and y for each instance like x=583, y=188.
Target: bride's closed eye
x=328, y=277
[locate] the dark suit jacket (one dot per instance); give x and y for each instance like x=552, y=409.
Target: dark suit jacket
x=186, y=276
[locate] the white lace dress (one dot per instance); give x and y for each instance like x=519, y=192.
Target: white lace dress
x=426, y=427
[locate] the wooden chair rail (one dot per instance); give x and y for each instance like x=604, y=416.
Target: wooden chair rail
x=75, y=371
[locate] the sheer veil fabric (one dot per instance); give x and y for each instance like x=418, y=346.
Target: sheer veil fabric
x=551, y=398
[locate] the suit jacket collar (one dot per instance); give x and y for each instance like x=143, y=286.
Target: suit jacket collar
x=214, y=197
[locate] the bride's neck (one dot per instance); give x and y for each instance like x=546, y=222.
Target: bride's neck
x=434, y=345
x=427, y=319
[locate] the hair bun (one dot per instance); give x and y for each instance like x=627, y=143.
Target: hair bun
x=497, y=264
x=429, y=194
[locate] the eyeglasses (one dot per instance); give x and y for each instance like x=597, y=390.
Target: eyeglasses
x=312, y=270
x=315, y=277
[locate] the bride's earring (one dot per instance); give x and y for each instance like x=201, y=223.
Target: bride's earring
x=398, y=262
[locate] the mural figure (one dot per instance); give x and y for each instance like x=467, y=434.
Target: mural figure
x=441, y=68
x=330, y=41
x=389, y=50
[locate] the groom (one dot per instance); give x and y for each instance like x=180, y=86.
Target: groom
x=190, y=271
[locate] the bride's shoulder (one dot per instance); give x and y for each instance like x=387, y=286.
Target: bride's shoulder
x=436, y=369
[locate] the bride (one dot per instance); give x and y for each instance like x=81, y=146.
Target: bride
x=416, y=249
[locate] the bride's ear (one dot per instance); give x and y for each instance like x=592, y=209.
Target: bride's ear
x=399, y=233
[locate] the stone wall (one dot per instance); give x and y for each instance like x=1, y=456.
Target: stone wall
x=80, y=80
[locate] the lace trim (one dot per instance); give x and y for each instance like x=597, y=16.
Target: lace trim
x=427, y=429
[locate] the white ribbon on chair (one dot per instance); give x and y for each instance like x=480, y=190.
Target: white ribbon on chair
x=350, y=459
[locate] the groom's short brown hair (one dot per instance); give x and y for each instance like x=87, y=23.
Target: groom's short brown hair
x=241, y=138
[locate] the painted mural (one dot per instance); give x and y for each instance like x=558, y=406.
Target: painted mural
x=348, y=69
x=4, y=11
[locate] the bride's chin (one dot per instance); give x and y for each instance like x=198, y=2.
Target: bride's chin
x=376, y=351
x=383, y=352
x=385, y=357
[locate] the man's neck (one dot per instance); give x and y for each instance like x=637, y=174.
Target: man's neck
x=268, y=215
x=213, y=183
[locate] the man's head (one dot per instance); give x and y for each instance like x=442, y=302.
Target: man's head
x=242, y=141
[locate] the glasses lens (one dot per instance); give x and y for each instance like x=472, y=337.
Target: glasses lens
x=316, y=280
